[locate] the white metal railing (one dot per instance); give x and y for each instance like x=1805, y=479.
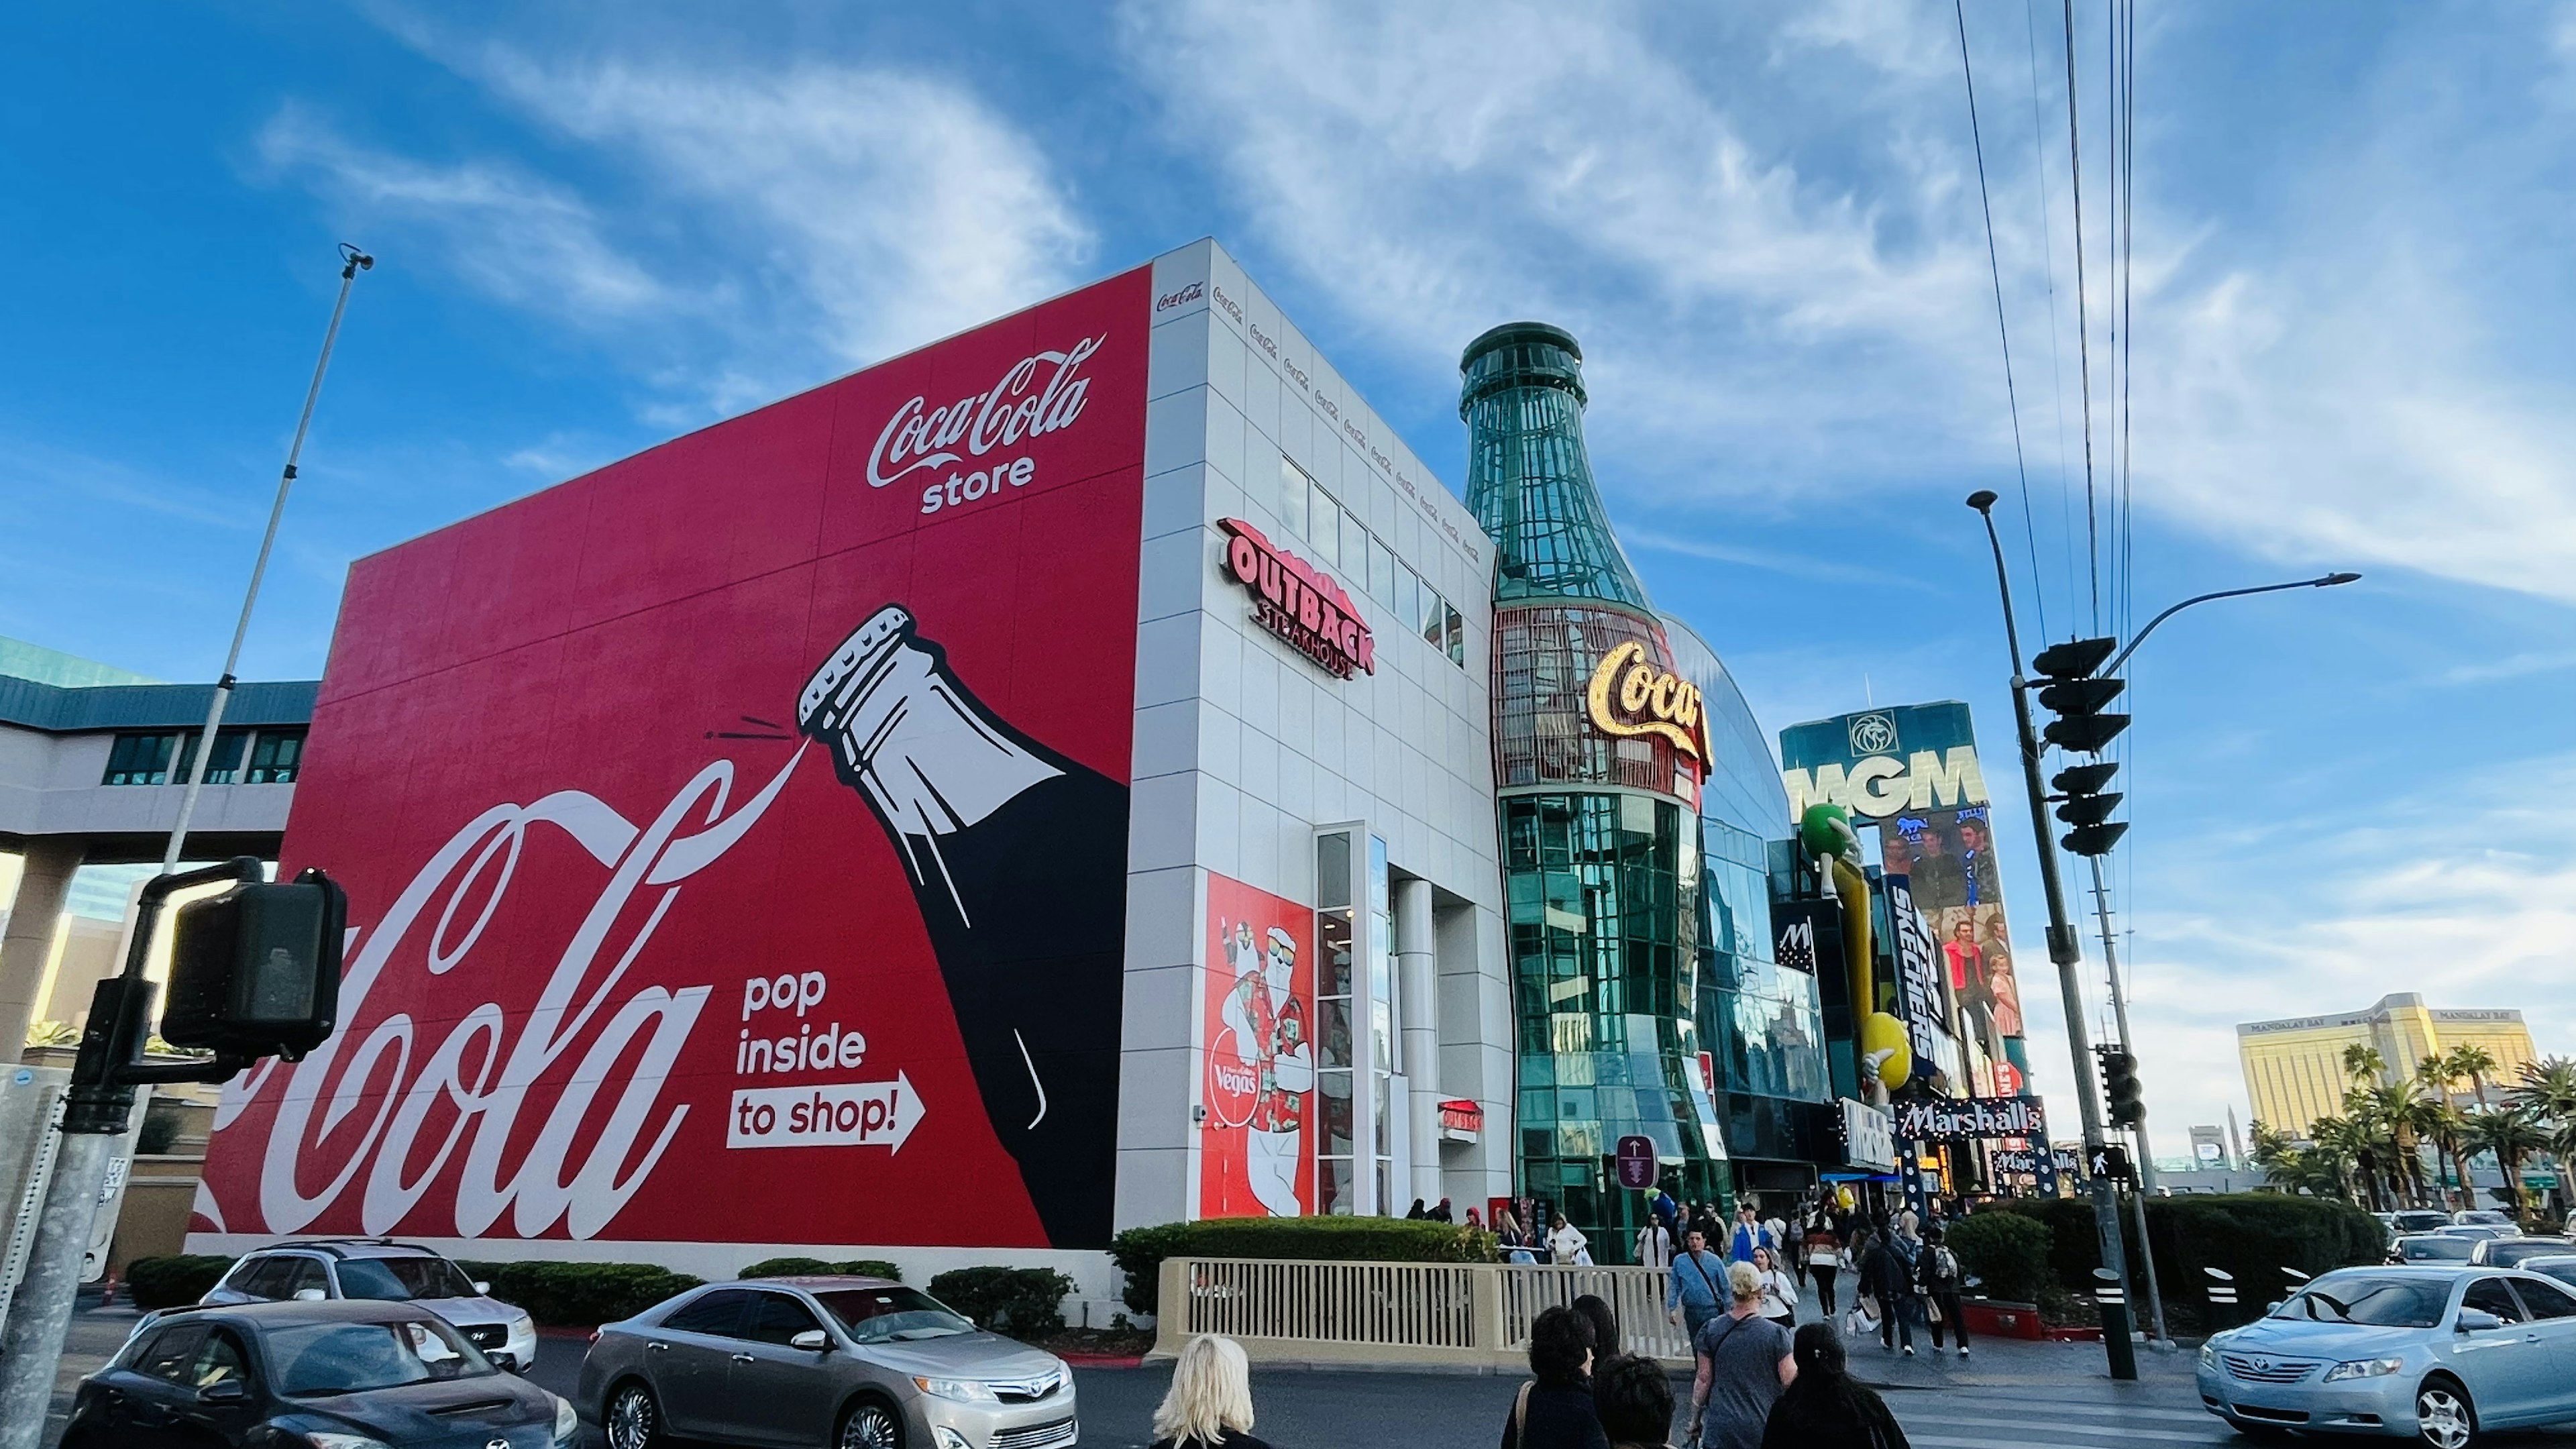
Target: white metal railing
x=1421, y=1312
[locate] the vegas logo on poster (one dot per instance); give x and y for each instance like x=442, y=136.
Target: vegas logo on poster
x=1258, y=999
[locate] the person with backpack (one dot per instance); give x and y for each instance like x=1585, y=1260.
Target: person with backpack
x=1886, y=1275
x=1744, y=1363
x=1937, y=1274
x=1554, y=1410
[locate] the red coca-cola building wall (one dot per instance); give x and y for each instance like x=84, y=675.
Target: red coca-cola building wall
x=688, y=813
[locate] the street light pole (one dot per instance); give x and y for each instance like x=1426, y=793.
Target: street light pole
x=2146, y=1162
x=352, y=262
x=2068, y=955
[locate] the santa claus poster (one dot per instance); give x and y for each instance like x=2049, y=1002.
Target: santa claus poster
x=1256, y=1157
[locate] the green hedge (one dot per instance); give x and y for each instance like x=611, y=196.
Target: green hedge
x=167, y=1282
x=1140, y=1251
x=2251, y=1235
x=580, y=1294
x=823, y=1268
x=1025, y=1303
x=2007, y=1251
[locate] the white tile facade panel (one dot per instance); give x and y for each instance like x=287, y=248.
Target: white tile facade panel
x=1244, y=745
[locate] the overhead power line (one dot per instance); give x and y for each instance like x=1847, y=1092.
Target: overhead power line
x=2083, y=342
x=2003, y=333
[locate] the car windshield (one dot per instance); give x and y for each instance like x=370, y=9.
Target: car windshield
x=314, y=1359
x=2510, y=1252
x=399, y=1280
x=880, y=1315
x=2483, y=1215
x=2379, y=1302
x=2437, y=1248
x=2421, y=1222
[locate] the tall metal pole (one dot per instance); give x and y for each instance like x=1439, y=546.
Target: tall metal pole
x=353, y=261
x=2068, y=954
x=2146, y=1161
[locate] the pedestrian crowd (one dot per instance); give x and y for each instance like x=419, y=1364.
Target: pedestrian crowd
x=1762, y=1380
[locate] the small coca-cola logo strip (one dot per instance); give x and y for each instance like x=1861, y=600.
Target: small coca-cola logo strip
x=1299, y=602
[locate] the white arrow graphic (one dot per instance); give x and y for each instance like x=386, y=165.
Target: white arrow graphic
x=831, y=1114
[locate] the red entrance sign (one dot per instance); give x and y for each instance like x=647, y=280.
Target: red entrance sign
x=1298, y=602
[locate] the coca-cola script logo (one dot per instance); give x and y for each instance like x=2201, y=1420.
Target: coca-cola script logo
x=483, y=1071
x=1298, y=602
x=1018, y=406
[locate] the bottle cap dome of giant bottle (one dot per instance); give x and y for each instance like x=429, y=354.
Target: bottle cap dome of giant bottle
x=1520, y=354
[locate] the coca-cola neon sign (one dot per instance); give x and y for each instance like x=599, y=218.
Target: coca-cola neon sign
x=1017, y=407
x=1298, y=602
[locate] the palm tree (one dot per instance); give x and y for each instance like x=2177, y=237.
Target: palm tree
x=2364, y=1064
x=2393, y=1107
x=2351, y=1143
x=2511, y=1135
x=2475, y=1063
x=2294, y=1167
x=2436, y=1121
x=2547, y=1089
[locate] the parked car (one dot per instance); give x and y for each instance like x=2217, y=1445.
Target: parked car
x=2436, y=1353
x=2514, y=1252
x=340, y=1374
x=854, y=1363
x=2476, y=1231
x=2486, y=1217
x=2417, y=1220
x=382, y=1271
x=2432, y=1248
x=2561, y=1267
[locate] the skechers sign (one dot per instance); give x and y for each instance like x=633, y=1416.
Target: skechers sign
x=1298, y=602
x=1880, y=761
x=1952, y=1119
x=1630, y=697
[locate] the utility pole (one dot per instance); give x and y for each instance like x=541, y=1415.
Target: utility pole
x=2064, y=950
x=2146, y=1161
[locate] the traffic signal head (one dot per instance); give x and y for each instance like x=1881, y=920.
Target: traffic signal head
x=2094, y=839
x=2122, y=1099
x=2083, y=779
x=2074, y=659
x=2088, y=808
x=255, y=972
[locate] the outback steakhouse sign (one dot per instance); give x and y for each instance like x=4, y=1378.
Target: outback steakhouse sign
x=1297, y=602
x=1629, y=696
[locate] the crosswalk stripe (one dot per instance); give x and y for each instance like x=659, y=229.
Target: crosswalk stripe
x=2113, y=1431
x=1990, y=1442
x=2117, y=1411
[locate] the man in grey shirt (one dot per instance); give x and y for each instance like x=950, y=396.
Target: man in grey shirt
x=1744, y=1363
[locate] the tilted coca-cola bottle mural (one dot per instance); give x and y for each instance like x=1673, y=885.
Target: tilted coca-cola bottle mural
x=736, y=837
x=1018, y=858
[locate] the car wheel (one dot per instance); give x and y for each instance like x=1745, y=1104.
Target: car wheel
x=871, y=1425
x=2444, y=1417
x=632, y=1419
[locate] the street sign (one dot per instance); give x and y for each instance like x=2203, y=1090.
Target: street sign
x=2111, y=1161
x=1636, y=1159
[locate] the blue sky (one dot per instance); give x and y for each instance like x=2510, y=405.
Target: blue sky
x=603, y=225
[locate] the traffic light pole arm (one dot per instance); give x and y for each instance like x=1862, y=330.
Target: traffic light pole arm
x=2064, y=950
x=2112, y=668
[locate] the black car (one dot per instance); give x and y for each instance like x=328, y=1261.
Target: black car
x=339, y=1374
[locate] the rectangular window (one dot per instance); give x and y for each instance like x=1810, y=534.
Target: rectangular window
x=1381, y=576
x=140, y=760
x=1428, y=621
x=1457, y=630
x=223, y=769
x=1355, y=543
x=1294, y=486
x=274, y=757
x=1408, y=594
x=1326, y=528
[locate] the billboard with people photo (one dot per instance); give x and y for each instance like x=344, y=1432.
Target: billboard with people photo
x=735, y=836
x=1949, y=858
x=1257, y=1025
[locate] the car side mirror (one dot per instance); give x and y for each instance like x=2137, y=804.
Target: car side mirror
x=223, y=1391
x=813, y=1340
x=2476, y=1320
x=310, y=1295
x=483, y=1288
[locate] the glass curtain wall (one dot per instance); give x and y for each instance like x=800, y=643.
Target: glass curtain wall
x=1336, y=1187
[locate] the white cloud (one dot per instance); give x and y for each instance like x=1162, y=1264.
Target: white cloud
x=895, y=207
x=519, y=237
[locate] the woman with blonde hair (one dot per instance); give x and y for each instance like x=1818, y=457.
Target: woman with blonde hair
x=1210, y=1405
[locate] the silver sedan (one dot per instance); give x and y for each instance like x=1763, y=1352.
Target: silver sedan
x=855, y=1363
